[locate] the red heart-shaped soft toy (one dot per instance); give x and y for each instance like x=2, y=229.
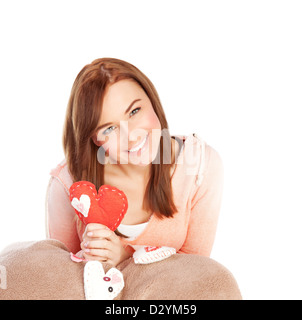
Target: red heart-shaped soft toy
x=108, y=206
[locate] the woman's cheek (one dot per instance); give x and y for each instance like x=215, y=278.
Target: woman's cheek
x=109, y=144
x=112, y=150
x=152, y=121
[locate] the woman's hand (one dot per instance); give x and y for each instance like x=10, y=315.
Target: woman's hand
x=102, y=244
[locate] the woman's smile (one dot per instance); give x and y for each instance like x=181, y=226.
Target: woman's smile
x=140, y=146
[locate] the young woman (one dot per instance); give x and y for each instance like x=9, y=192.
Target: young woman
x=116, y=133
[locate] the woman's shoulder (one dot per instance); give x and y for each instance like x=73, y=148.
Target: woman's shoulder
x=62, y=174
x=196, y=156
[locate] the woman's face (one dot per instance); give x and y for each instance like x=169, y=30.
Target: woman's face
x=129, y=130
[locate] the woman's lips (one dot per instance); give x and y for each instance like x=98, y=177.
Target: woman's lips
x=139, y=146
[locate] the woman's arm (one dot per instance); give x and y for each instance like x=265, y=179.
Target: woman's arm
x=205, y=208
x=60, y=216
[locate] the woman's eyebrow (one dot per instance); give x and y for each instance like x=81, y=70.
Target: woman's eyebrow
x=132, y=103
x=127, y=110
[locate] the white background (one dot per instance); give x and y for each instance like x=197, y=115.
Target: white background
x=230, y=71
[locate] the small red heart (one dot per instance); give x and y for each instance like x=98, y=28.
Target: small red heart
x=108, y=206
x=149, y=249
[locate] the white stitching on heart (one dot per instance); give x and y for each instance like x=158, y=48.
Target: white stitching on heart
x=84, y=210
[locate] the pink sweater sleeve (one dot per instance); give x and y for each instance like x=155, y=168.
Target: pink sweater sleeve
x=205, y=208
x=60, y=216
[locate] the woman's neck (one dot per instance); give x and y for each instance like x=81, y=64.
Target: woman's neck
x=128, y=171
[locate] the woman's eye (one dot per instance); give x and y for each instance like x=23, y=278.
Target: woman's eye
x=133, y=112
x=108, y=130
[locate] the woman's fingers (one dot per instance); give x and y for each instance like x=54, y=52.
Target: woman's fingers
x=101, y=253
x=89, y=257
x=92, y=227
x=100, y=233
x=96, y=244
x=95, y=226
x=101, y=244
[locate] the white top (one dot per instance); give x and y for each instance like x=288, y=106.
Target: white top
x=132, y=231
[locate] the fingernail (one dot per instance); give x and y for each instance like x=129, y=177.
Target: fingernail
x=89, y=234
x=87, y=250
x=86, y=244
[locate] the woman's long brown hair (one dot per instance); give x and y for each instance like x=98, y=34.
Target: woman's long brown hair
x=82, y=118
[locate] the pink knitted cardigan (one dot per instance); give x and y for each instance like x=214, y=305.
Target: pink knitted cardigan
x=197, y=184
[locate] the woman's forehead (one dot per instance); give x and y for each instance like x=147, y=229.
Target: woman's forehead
x=120, y=95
